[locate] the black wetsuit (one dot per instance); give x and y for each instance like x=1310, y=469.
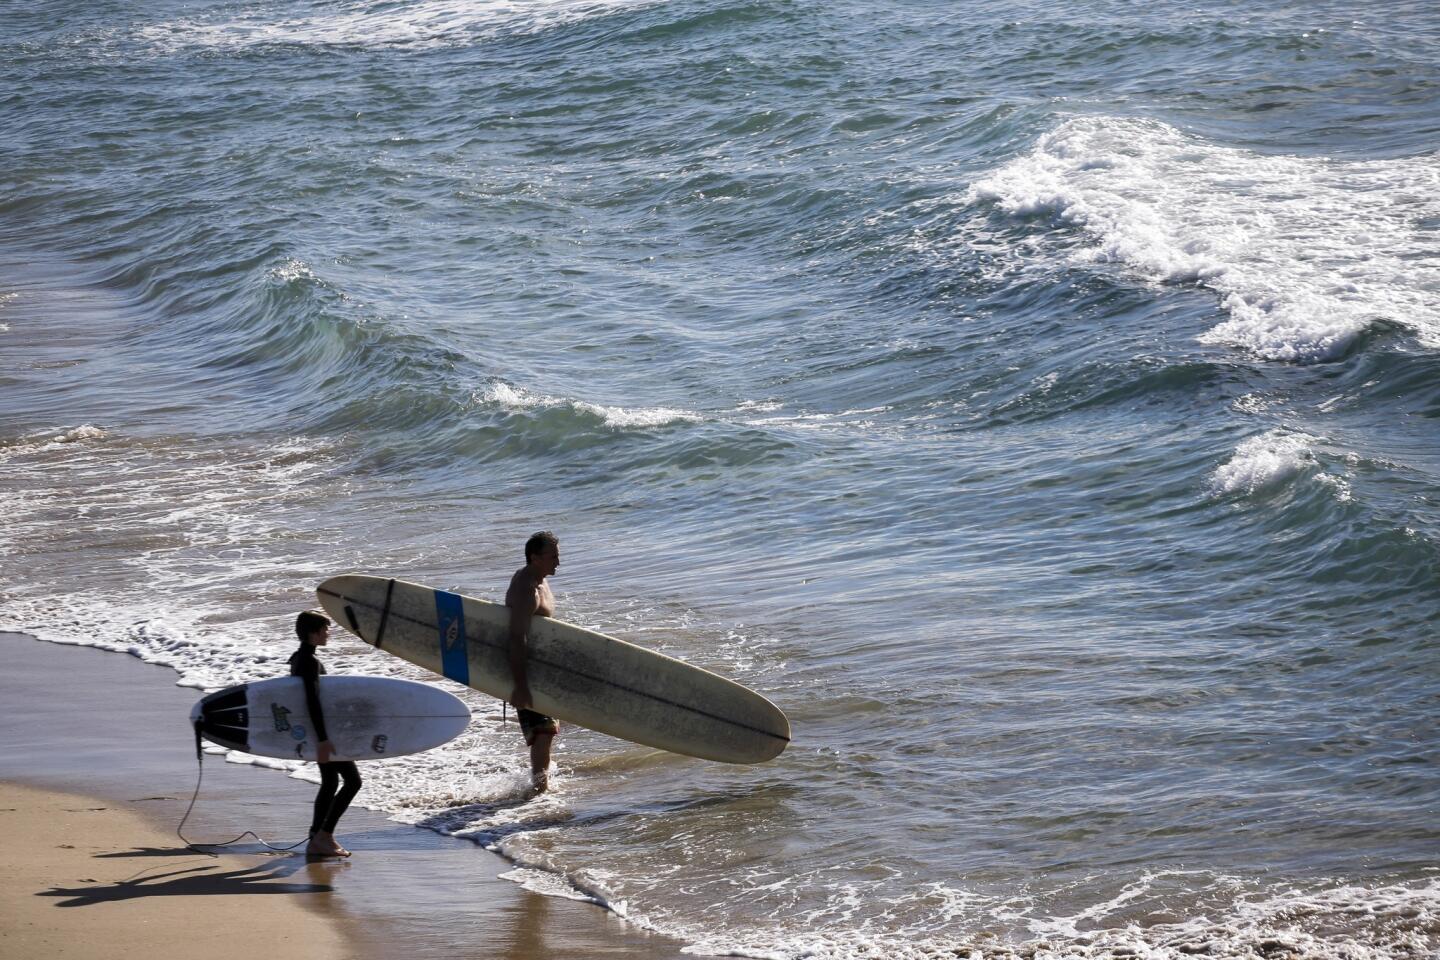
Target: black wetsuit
x=330, y=803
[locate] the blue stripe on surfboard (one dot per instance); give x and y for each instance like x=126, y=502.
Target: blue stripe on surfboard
x=454, y=653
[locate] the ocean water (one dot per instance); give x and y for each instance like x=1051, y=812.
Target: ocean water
x=1039, y=402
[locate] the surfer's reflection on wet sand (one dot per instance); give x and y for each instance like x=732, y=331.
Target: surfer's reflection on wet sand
x=524, y=939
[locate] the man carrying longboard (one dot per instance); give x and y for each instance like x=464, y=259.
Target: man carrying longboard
x=529, y=596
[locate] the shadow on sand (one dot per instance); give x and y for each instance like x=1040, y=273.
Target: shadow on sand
x=203, y=881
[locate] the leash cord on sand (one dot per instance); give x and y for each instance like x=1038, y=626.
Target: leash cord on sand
x=199, y=779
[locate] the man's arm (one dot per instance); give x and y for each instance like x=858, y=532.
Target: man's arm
x=522, y=606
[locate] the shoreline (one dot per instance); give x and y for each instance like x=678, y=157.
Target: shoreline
x=407, y=889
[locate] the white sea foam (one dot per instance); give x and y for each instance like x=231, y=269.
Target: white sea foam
x=546, y=883
x=1337, y=922
x=373, y=23
x=619, y=418
x=856, y=417
x=1253, y=403
x=764, y=414
x=1305, y=253
x=1264, y=462
x=290, y=270
x=773, y=416
x=51, y=440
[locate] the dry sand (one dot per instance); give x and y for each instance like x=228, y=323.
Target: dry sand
x=83, y=878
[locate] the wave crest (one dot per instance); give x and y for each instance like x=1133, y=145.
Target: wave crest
x=1263, y=463
x=370, y=24
x=1306, y=253
x=619, y=418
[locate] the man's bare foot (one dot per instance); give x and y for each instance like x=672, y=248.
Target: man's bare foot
x=323, y=852
x=540, y=782
x=324, y=845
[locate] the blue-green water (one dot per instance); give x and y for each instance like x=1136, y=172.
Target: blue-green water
x=1040, y=402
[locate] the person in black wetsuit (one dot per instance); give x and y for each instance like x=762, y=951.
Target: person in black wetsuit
x=330, y=803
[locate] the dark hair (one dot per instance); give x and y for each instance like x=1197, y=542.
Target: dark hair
x=310, y=621
x=539, y=541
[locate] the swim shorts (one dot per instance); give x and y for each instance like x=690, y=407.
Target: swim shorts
x=532, y=723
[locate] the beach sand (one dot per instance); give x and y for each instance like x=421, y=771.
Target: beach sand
x=84, y=878
x=97, y=764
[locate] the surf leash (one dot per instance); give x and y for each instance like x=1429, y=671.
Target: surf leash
x=200, y=779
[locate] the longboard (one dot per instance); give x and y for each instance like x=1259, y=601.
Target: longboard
x=576, y=675
x=367, y=718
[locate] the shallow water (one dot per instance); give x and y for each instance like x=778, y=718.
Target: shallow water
x=1036, y=402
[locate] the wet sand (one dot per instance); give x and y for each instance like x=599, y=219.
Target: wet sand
x=85, y=729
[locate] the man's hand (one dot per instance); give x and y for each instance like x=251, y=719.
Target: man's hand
x=520, y=697
x=325, y=751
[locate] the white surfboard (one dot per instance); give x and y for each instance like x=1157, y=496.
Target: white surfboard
x=367, y=718
x=575, y=674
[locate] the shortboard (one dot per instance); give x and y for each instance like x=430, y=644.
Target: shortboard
x=576, y=675
x=367, y=718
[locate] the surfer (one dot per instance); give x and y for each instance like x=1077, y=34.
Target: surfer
x=330, y=803
x=529, y=596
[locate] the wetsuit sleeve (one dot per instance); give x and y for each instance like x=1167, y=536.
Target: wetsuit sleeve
x=308, y=669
